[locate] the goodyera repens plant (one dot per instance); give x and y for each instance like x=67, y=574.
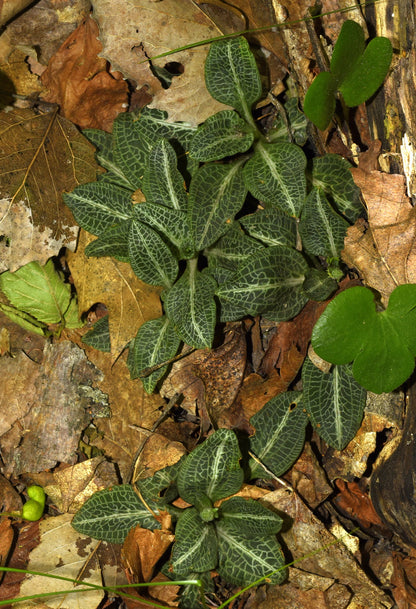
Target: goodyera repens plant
x=233, y=221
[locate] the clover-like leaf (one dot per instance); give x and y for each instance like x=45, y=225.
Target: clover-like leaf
x=275, y=175
x=280, y=434
x=223, y=134
x=216, y=194
x=162, y=181
x=334, y=401
x=269, y=282
x=232, y=76
x=97, y=206
x=355, y=71
x=150, y=257
x=382, y=345
x=155, y=342
x=212, y=469
x=111, y=513
x=191, y=307
x=244, y=559
x=321, y=228
x=195, y=547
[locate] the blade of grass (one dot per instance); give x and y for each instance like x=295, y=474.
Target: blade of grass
x=264, y=28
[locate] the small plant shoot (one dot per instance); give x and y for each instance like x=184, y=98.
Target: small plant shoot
x=356, y=71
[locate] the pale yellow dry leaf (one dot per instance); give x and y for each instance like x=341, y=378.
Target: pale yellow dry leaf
x=132, y=30
x=62, y=551
x=130, y=302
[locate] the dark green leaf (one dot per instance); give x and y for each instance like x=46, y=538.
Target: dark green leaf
x=223, y=134
x=191, y=307
x=322, y=230
x=318, y=285
x=97, y=206
x=99, y=336
x=195, y=548
x=162, y=181
x=332, y=174
x=161, y=487
x=129, y=149
x=114, y=241
x=231, y=75
x=348, y=49
x=111, y=513
x=334, y=401
x=280, y=434
x=249, y=516
x=243, y=560
x=155, y=342
x=212, y=469
x=295, y=121
x=271, y=226
x=217, y=193
x=319, y=102
x=169, y=222
x=268, y=282
x=368, y=73
x=276, y=176
x=150, y=258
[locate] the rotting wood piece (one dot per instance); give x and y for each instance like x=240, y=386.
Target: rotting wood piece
x=393, y=484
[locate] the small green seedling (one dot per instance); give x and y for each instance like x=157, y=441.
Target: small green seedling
x=356, y=71
x=382, y=344
x=33, y=509
x=234, y=536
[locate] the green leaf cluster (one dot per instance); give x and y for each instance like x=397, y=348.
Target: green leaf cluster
x=39, y=298
x=193, y=235
x=233, y=535
x=356, y=71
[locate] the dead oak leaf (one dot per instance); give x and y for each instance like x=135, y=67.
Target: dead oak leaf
x=383, y=251
x=130, y=302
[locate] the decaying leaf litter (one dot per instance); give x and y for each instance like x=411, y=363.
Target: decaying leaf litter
x=80, y=448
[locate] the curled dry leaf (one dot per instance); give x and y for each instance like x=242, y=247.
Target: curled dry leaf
x=384, y=250
x=81, y=83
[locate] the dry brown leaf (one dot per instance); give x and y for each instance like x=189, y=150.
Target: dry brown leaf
x=313, y=546
x=158, y=452
x=80, y=82
x=42, y=155
x=131, y=31
x=130, y=302
x=144, y=548
x=383, y=251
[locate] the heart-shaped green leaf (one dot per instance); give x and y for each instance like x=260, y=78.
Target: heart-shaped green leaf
x=334, y=401
x=212, y=469
x=319, y=102
x=348, y=49
x=382, y=345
